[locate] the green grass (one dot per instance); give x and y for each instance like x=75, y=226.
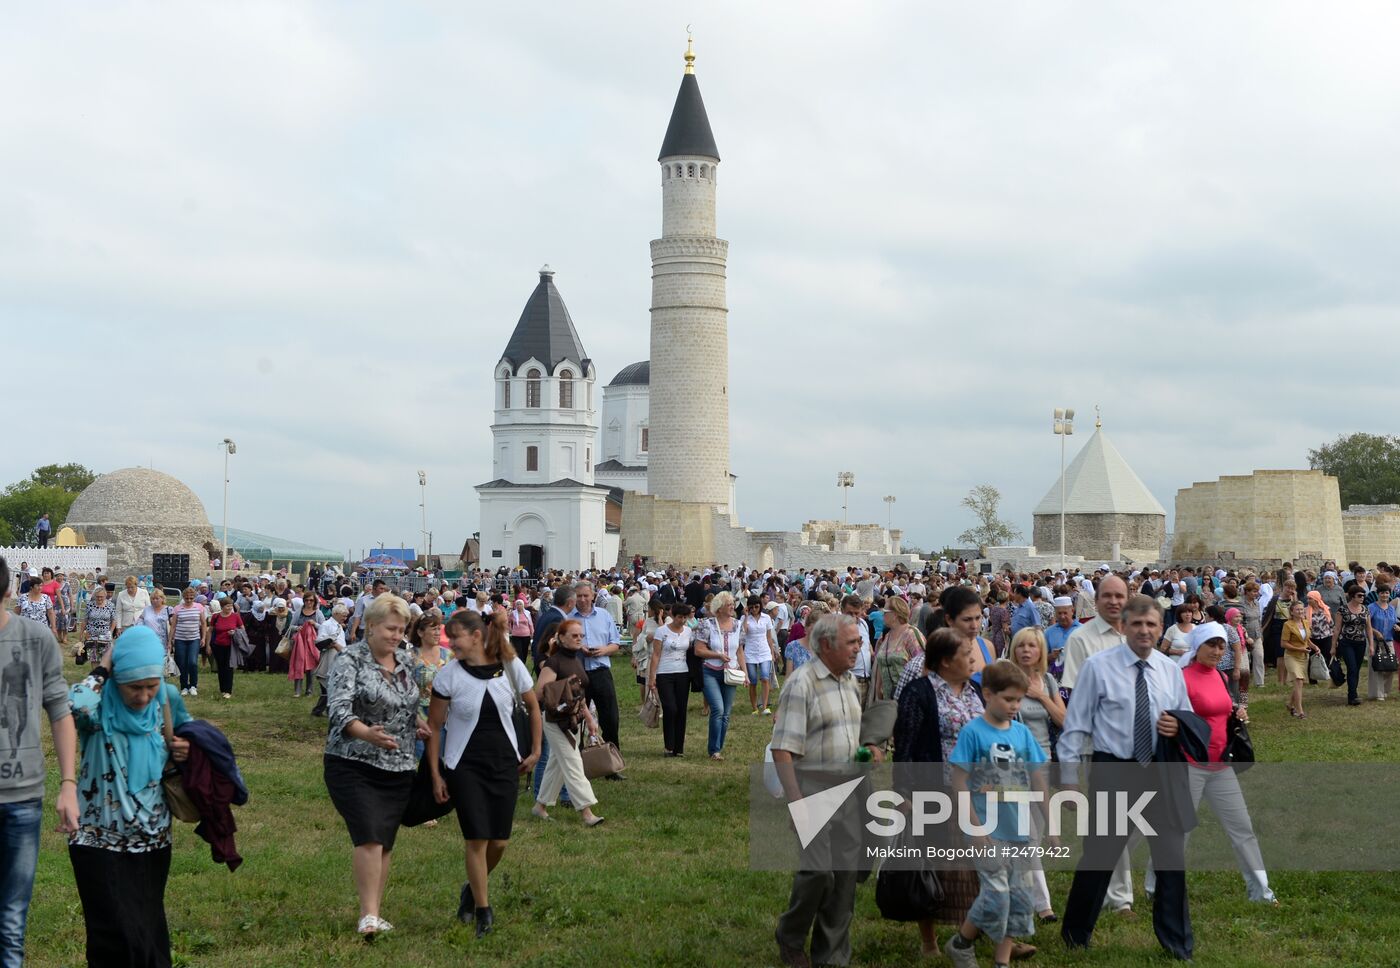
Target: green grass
x=664, y=882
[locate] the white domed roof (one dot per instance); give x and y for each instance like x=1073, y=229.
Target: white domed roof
x=137, y=495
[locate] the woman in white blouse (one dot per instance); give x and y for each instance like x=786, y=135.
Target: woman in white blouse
x=479, y=764
x=668, y=675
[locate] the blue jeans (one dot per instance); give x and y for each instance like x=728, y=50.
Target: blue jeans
x=19, y=856
x=1353, y=656
x=539, y=773
x=760, y=672
x=187, y=661
x=721, y=702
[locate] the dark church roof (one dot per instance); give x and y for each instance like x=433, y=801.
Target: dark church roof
x=634, y=375
x=545, y=332
x=689, y=131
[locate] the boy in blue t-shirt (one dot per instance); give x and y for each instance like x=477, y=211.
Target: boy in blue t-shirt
x=996, y=754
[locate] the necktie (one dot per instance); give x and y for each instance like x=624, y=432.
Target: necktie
x=1142, y=717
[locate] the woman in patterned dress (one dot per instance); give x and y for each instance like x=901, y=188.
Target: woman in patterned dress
x=101, y=615
x=369, y=761
x=37, y=607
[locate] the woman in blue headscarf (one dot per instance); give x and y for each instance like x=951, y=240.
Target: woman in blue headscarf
x=121, y=851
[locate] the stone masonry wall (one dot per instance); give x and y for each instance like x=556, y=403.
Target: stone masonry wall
x=1139, y=536
x=1372, y=533
x=1265, y=515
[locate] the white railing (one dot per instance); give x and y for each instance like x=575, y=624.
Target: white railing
x=67, y=560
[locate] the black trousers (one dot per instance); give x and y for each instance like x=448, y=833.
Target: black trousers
x=604, y=695
x=1353, y=656
x=123, y=898
x=1171, y=913
x=223, y=660
x=674, y=690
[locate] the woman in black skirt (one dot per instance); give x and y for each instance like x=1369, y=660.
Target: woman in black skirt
x=370, y=762
x=479, y=764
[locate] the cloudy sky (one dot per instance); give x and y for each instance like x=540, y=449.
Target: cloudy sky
x=311, y=227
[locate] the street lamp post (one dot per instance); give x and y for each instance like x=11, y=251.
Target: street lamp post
x=423, y=506
x=1064, y=426
x=845, y=480
x=229, y=448
x=889, y=515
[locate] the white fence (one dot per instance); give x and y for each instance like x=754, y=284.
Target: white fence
x=67, y=560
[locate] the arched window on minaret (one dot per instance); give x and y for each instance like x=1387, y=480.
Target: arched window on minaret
x=679, y=171
x=690, y=170
x=566, y=389
x=532, y=388
x=704, y=171
x=505, y=398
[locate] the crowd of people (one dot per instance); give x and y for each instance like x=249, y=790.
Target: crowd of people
x=443, y=697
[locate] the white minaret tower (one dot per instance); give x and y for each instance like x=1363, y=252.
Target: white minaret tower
x=689, y=408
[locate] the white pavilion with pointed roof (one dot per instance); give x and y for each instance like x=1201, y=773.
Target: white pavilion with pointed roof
x=1109, y=513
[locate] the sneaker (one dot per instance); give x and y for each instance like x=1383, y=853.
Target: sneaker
x=960, y=957
x=184, y=692
x=767, y=711
x=755, y=711
x=194, y=691
x=225, y=695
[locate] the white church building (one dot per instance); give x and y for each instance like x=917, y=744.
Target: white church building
x=544, y=509
x=626, y=429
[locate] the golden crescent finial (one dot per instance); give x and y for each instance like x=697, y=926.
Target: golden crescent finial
x=689, y=51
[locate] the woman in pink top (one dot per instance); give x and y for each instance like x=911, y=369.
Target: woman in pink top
x=1216, y=781
x=521, y=626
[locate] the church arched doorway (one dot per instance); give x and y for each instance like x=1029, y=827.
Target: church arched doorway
x=532, y=558
x=765, y=558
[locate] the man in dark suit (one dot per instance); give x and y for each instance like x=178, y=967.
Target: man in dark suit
x=695, y=592
x=553, y=615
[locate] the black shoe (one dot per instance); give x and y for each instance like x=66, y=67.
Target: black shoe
x=466, y=907
x=484, y=920
x=615, y=777
x=1353, y=702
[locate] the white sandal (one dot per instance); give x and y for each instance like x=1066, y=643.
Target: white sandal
x=369, y=924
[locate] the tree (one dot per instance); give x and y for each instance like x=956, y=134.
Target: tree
x=1366, y=466
x=984, y=502
x=52, y=488
x=73, y=478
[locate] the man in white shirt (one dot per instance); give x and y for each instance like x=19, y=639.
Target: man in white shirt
x=1103, y=632
x=854, y=606
x=1119, y=708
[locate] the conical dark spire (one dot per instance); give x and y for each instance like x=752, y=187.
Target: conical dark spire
x=545, y=332
x=689, y=131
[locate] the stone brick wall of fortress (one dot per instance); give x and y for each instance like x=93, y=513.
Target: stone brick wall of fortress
x=1372, y=533
x=689, y=409
x=1139, y=536
x=1265, y=515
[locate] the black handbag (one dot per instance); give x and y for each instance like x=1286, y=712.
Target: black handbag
x=908, y=894
x=422, y=805
x=1239, y=748
x=1383, y=658
x=519, y=717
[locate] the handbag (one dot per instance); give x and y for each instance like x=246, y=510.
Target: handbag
x=908, y=894
x=602, y=759
x=422, y=805
x=172, y=783
x=1383, y=658
x=878, y=717
x=650, y=713
x=519, y=716
x=732, y=677
x=171, y=669
x=1317, y=667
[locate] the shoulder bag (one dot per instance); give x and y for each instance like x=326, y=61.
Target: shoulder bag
x=519, y=715
x=732, y=677
x=172, y=783
x=878, y=717
x=1317, y=667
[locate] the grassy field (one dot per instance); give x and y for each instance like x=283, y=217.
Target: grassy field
x=665, y=881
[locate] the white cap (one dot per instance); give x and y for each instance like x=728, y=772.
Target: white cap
x=1063, y=601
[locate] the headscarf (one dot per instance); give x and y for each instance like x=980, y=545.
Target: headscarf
x=1235, y=619
x=137, y=743
x=1199, y=636
x=1315, y=602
